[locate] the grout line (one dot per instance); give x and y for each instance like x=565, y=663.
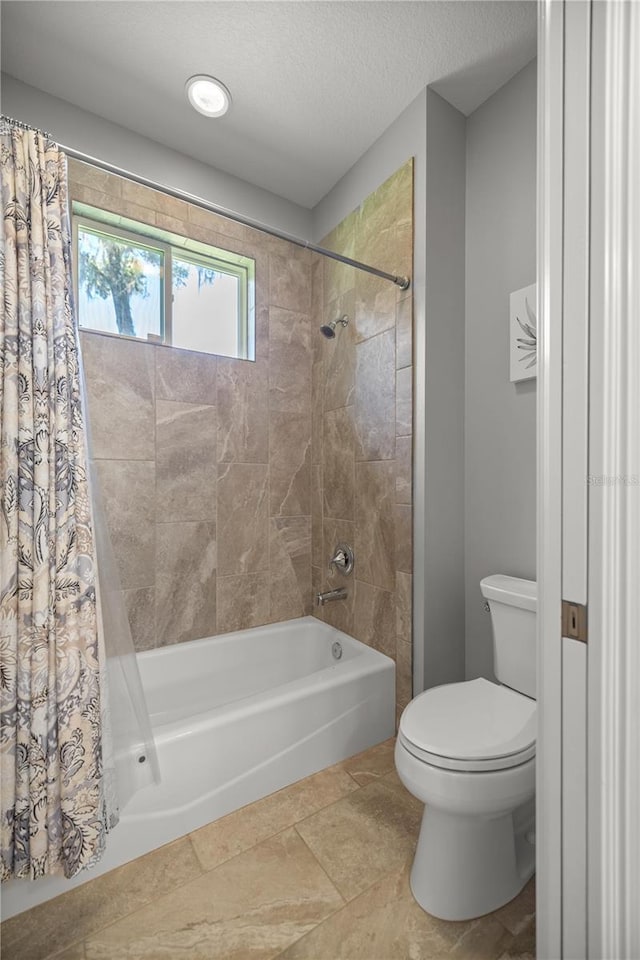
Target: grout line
x=280, y=830
x=61, y=953
x=360, y=785
x=331, y=880
x=140, y=907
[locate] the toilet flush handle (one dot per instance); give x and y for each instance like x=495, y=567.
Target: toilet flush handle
x=487, y=607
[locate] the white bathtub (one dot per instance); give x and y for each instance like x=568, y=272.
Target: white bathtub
x=236, y=717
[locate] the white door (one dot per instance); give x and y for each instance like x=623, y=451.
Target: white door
x=589, y=479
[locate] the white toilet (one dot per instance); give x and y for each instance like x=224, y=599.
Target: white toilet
x=467, y=750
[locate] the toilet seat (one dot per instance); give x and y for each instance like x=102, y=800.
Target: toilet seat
x=475, y=725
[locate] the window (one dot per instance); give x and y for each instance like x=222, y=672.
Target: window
x=134, y=280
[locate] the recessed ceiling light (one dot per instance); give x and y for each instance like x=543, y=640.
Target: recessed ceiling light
x=208, y=96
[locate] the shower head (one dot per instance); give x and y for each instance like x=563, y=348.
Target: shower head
x=328, y=330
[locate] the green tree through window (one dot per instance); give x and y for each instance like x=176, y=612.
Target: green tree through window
x=140, y=281
x=112, y=268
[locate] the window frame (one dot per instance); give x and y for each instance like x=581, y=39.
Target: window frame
x=152, y=238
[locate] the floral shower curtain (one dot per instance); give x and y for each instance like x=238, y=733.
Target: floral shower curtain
x=55, y=805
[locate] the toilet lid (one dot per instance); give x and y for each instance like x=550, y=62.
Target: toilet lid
x=478, y=721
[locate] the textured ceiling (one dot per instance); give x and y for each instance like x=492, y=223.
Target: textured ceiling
x=313, y=83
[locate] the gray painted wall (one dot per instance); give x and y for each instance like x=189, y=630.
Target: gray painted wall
x=96, y=137
x=444, y=394
x=406, y=137
x=500, y=422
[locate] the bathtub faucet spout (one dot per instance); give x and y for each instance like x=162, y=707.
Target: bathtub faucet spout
x=338, y=594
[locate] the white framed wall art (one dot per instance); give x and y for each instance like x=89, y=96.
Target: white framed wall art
x=523, y=334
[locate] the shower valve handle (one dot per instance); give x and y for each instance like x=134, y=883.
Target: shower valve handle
x=342, y=559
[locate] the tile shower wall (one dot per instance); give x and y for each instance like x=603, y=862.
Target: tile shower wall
x=205, y=462
x=361, y=438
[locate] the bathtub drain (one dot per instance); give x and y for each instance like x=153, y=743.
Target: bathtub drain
x=336, y=650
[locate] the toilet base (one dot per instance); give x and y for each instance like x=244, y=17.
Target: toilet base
x=465, y=867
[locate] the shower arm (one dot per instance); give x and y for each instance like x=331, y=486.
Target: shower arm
x=403, y=282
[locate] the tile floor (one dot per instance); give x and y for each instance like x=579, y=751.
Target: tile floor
x=317, y=871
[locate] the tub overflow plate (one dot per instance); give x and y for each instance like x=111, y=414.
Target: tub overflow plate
x=336, y=650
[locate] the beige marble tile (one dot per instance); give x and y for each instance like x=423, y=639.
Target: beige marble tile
x=119, y=204
x=250, y=908
x=90, y=176
x=289, y=567
x=112, y=202
x=399, y=712
x=375, y=304
x=242, y=601
x=339, y=463
x=290, y=361
x=403, y=177
x=403, y=243
x=283, y=248
x=376, y=237
x=522, y=946
x=69, y=918
x=482, y=939
x=290, y=464
x=393, y=778
x=239, y=831
x=384, y=923
x=155, y=199
x=141, y=612
x=404, y=617
x=374, y=620
x=404, y=408
x=212, y=237
x=316, y=514
x=243, y=411
x=185, y=461
x=404, y=332
x=128, y=494
x=201, y=217
x=375, y=398
x=339, y=278
x=404, y=467
x=317, y=387
x=243, y=532
x=185, y=581
x=317, y=280
x=172, y=224
x=519, y=912
x=316, y=586
x=375, y=298
x=76, y=952
x=294, y=535
x=404, y=677
x=290, y=282
x=120, y=385
x=367, y=834
x=371, y=764
x=404, y=538
x=262, y=328
x=374, y=546
x=185, y=375
x=380, y=207
x=339, y=354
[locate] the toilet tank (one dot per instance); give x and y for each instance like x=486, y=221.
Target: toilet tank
x=513, y=604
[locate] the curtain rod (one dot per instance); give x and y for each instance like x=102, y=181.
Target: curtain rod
x=402, y=282
x=6, y=121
